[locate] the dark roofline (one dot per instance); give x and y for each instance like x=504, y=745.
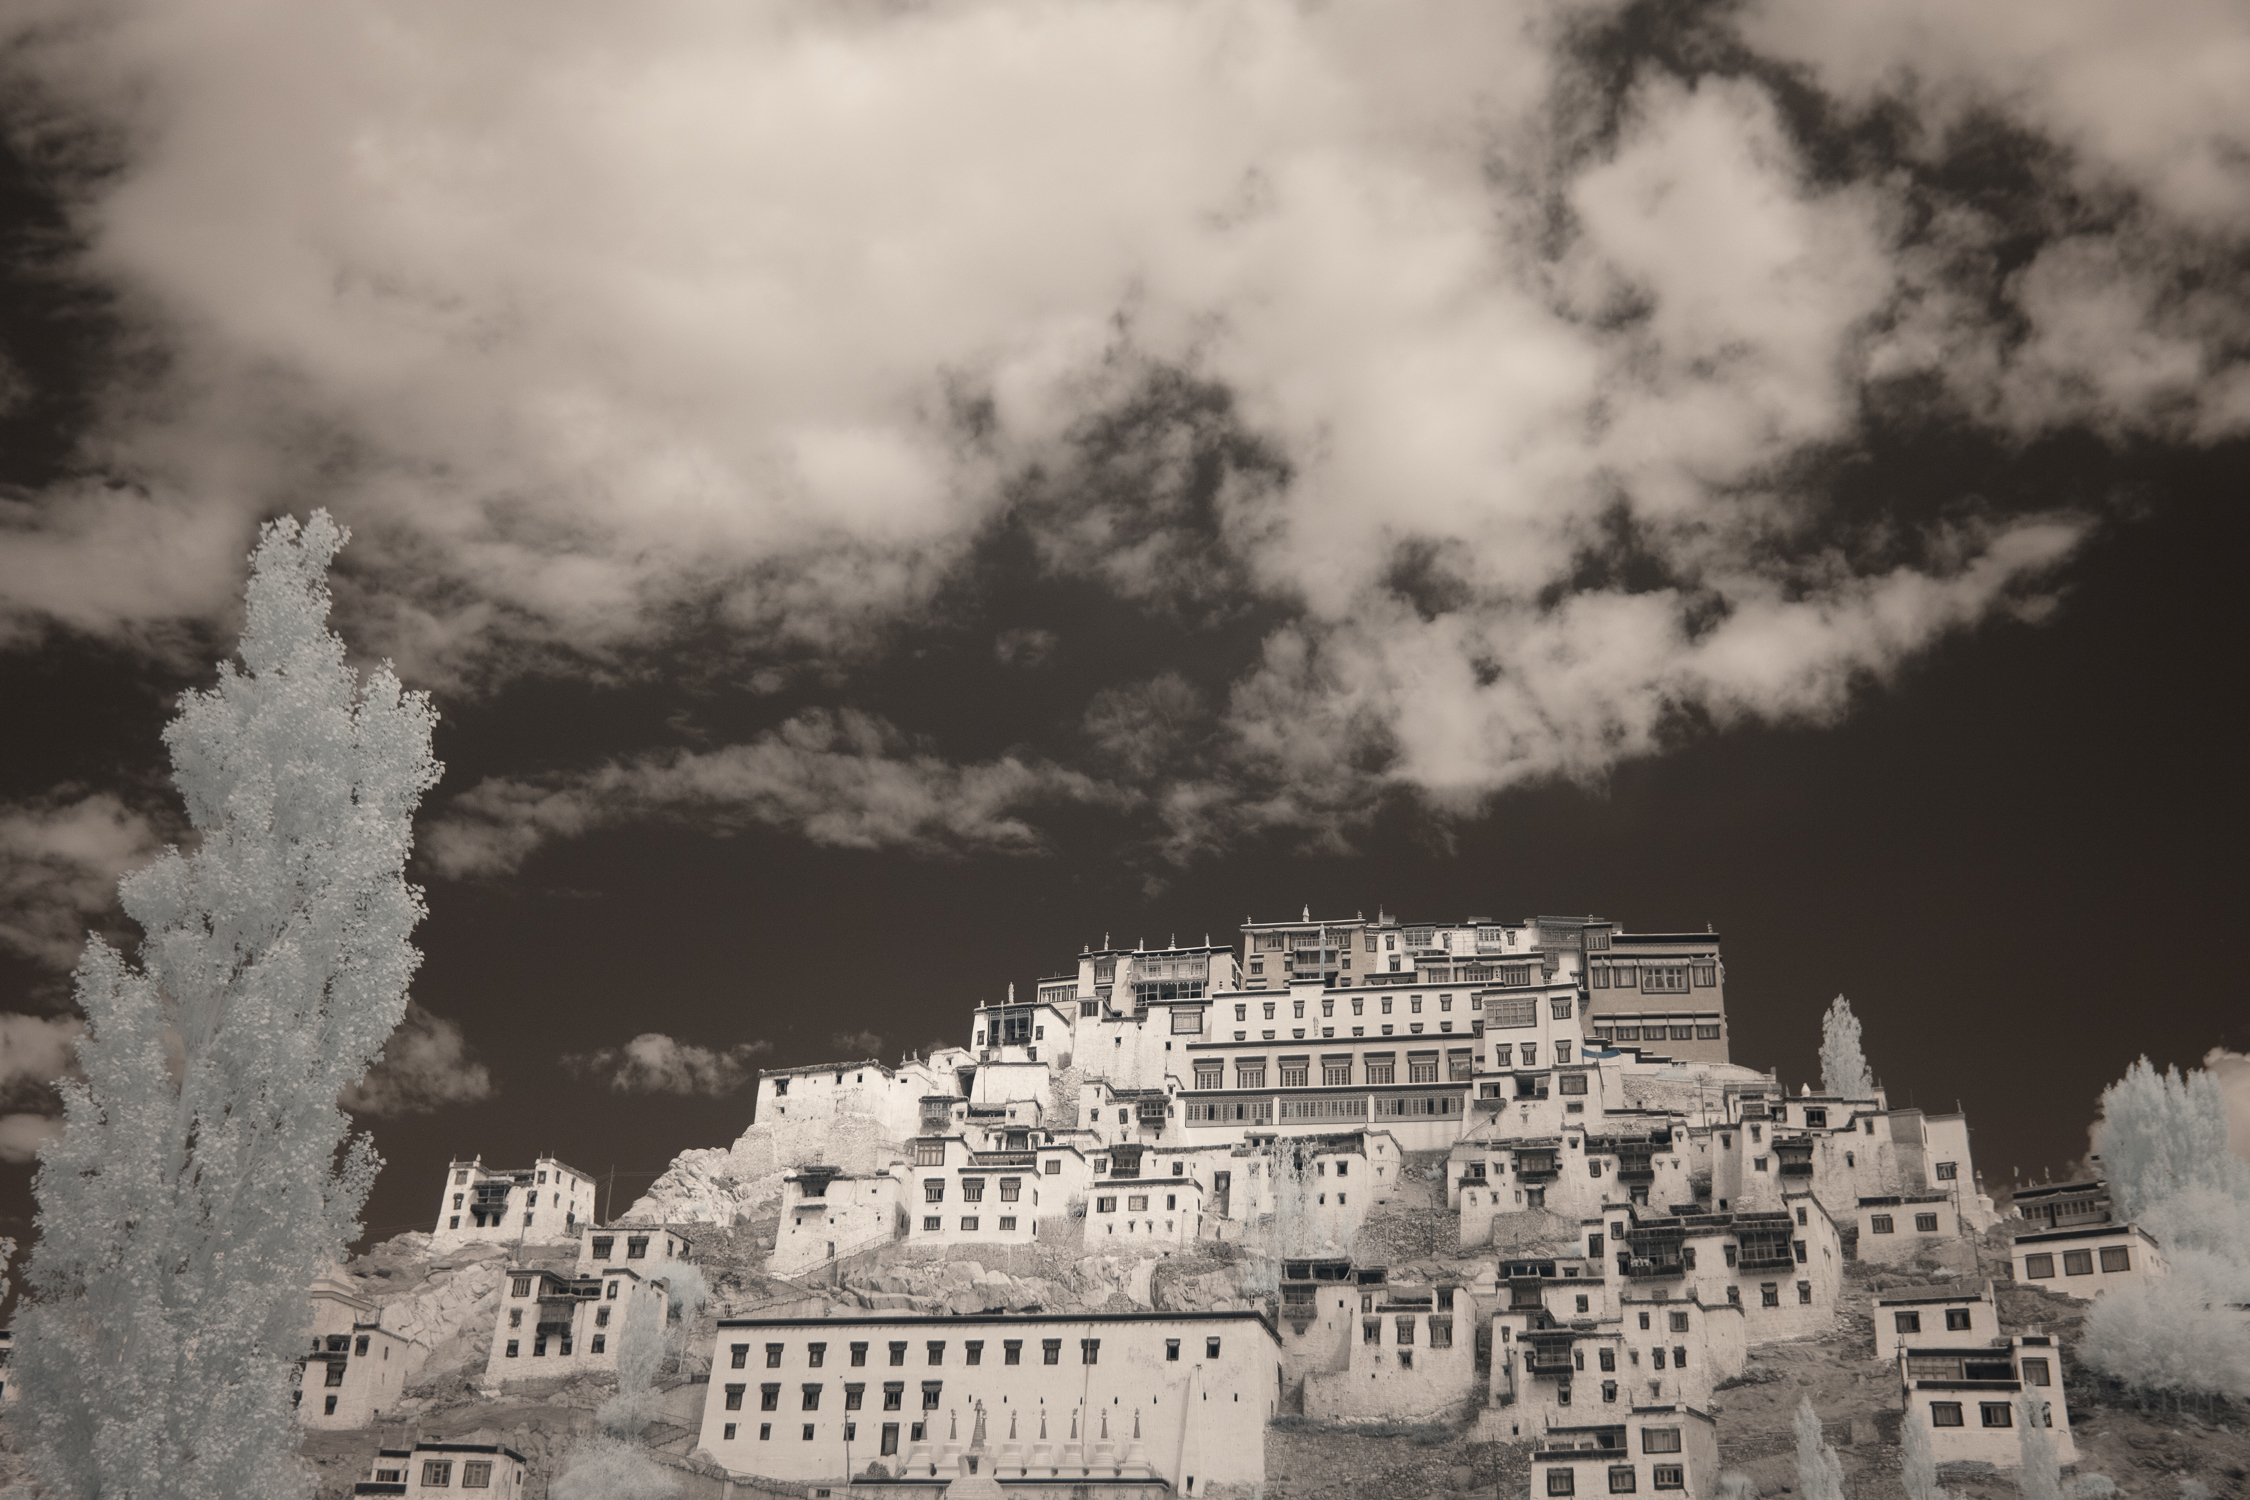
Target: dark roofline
x=838, y=1067
x=1906, y=1294
x=2048, y=1190
x=996, y=1320
x=1664, y=937
x=2098, y=1231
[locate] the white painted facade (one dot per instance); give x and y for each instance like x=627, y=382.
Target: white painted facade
x=356, y=1369
x=2085, y=1262
x=1409, y=1354
x=1967, y=1395
x=819, y=1399
x=1892, y=1230
x=542, y=1204
x=1659, y=1449
x=549, y=1325
x=826, y=1215
x=482, y=1469
x=1957, y=1315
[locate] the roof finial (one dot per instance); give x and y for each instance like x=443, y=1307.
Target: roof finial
x=1308, y=912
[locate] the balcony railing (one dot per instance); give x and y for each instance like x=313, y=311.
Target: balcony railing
x=1656, y=1270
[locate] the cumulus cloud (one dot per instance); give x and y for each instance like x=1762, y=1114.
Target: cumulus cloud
x=21, y=1135
x=426, y=1065
x=1493, y=377
x=857, y=1043
x=653, y=1063
x=847, y=780
x=60, y=857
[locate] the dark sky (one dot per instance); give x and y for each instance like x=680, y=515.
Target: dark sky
x=819, y=661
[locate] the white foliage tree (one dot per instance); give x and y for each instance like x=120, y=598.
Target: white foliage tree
x=2162, y=1137
x=1843, y=1065
x=1918, y=1460
x=1820, y=1473
x=2039, y=1469
x=605, y=1468
x=205, y=1175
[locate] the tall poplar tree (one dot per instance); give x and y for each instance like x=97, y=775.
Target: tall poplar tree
x=1843, y=1065
x=204, y=1174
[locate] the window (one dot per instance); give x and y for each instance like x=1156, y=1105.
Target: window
x=1504, y=1055
x=930, y=1394
x=972, y=1190
x=931, y=1223
x=1879, y=1224
x=937, y=1351
x=2038, y=1267
x=1679, y=1322
x=1621, y=1479
x=1769, y=1294
x=1210, y=1348
x=520, y=1286
x=1956, y=1319
x=1249, y=1075
x=1948, y=1171
x=1907, y=1322
x=1211, y=1077
x=602, y=1244
x=898, y=1352
x=894, y=1395
x=811, y=1398
x=1336, y=1072
x=890, y=1438
x=1757, y=1164
x=2078, y=1262
x=1054, y=1166
x=601, y=1341
x=1669, y=1476
x=973, y=1351
x=1562, y=1481
x=1137, y=1203
x=929, y=1153
x=773, y=1356
x=1050, y=1351
x=765, y=1431
x=1089, y=1351
x=1572, y=1083
x=807, y=1433
x=1382, y=1067
x=1172, y=1351
x=636, y=1247
x=1734, y=1295
x=969, y=1226
x=1007, y=1224
x=1105, y=1205
x=1656, y=1357
x=933, y=1190
x=437, y=1473
x=1804, y=1293
x=1925, y=1223
x=2036, y=1372
x=1996, y=1414
x=2117, y=1258
x=769, y=1397
x=816, y=1355
x=513, y=1346
x=730, y=1429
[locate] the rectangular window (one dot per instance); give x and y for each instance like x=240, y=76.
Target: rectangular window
x=937, y=1351
x=636, y=1247
x=1948, y=1171
x=1660, y=1439
x=898, y=1352
x=734, y=1397
x=437, y=1473
x=816, y=1355
x=601, y=1246
x=1335, y=1072
x=1621, y=1479
x=894, y=1395
x=811, y=1395
x=972, y=1190
x=1105, y=1205
x=1804, y=1293
x=1089, y=1351
x=1956, y=1319
x=933, y=1190
x=1210, y=1077
x=859, y=1354
x=1879, y=1223
x=2117, y=1258
x=929, y=1153
x=1050, y=1351
x=769, y=1397
x=1679, y=1322
x=1907, y=1322
x=931, y=1224
x=1669, y=1477
x=1382, y=1068
x=973, y=1351
x=730, y=1430
x=1925, y=1223
x=854, y=1397
x=931, y=1390
x=1421, y=1067
x=2078, y=1262
x=969, y=1226
x=1996, y=1414
x=1248, y=1075
x=1769, y=1294
x=1571, y=1083
x=890, y=1438
x=2036, y=1372
x=600, y=1344
x=1011, y=1352
x=1562, y=1482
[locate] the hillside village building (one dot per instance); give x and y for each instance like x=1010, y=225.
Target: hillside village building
x=446, y=1468
x=1183, y=1397
x=356, y=1369
x=550, y=1324
x=1935, y=1317
x=1663, y=1449
x=1966, y=1395
x=542, y=1204
x=2071, y=1242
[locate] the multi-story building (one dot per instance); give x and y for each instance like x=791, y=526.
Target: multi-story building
x=827, y=1213
x=541, y=1204
x=1672, y=1449
x=445, y=1468
x=1967, y=1395
x=2086, y=1261
x=356, y=1369
x=552, y=1323
x=1410, y=1353
x=819, y=1399
x=1900, y=1228
x=1935, y=1317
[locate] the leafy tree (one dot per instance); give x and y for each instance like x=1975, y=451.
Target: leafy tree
x=2039, y=1472
x=2162, y=1134
x=1917, y=1460
x=1843, y=1066
x=1820, y=1473
x=205, y=1175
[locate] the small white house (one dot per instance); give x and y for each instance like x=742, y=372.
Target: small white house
x=1966, y=1395
x=445, y=1468
x=1671, y=1449
x=2086, y=1262
x=1894, y=1229
x=550, y=1325
x=1951, y=1316
x=542, y=1204
x=356, y=1369
x=827, y=1213
x=1407, y=1358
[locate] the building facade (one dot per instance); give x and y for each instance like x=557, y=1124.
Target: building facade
x=482, y=1469
x=542, y=1204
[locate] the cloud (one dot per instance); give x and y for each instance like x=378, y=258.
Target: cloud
x=427, y=1065
x=35, y=1051
x=1022, y=646
x=653, y=1063
x=60, y=857
x=21, y=1135
x=846, y=780
x=1494, y=365
x=857, y=1044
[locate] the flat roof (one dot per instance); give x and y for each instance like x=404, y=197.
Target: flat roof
x=990, y=1320
x=2093, y=1232
x=1930, y=1293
